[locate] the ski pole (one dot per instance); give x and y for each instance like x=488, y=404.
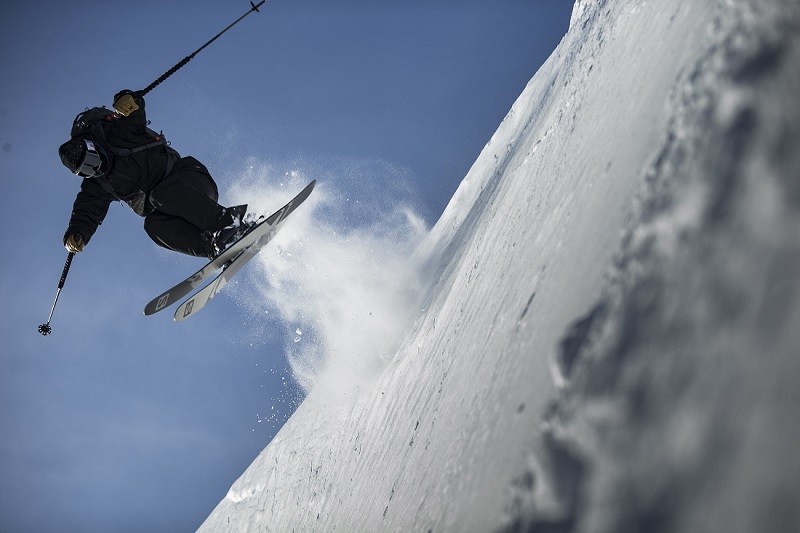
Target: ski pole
x=45, y=329
x=182, y=62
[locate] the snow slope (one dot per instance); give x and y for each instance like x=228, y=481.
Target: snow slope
x=605, y=325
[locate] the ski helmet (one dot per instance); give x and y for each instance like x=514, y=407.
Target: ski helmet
x=84, y=158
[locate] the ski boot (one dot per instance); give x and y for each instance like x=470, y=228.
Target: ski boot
x=238, y=221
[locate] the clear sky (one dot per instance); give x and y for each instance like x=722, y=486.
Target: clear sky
x=123, y=422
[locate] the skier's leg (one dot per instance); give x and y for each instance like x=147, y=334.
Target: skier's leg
x=190, y=193
x=177, y=234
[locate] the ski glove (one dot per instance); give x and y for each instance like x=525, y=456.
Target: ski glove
x=125, y=103
x=74, y=243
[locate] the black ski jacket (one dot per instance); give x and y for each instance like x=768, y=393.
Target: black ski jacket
x=131, y=178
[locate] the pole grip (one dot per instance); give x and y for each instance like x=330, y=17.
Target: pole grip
x=166, y=75
x=66, y=270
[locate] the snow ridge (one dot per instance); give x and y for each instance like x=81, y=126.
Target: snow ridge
x=583, y=11
x=583, y=362
x=675, y=382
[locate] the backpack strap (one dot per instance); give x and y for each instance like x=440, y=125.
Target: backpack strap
x=99, y=134
x=160, y=142
x=104, y=183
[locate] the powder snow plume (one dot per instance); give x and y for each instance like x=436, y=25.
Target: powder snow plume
x=340, y=274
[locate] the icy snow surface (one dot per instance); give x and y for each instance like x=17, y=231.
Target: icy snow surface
x=604, y=323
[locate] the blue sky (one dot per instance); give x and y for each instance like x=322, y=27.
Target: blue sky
x=123, y=422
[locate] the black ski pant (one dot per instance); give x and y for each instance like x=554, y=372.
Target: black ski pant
x=186, y=209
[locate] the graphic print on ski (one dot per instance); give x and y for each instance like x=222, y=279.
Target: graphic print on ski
x=207, y=293
x=186, y=286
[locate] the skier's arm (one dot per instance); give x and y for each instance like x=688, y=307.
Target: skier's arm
x=88, y=211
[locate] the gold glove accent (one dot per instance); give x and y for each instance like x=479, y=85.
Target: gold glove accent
x=126, y=104
x=74, y=243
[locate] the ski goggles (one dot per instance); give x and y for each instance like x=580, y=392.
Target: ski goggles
x=90, y=166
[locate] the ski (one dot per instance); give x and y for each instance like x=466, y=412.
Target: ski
x=228, y=257
x=207, y=293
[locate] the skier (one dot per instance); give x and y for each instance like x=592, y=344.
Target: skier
x=120, y=158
